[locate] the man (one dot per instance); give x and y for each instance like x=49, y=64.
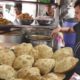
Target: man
x=18, y=11
x=71, y=29
x=18, y=8
x=76, y=29
x=50, y=10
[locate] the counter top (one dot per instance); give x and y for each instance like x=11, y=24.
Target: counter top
x=35, y=26
x=25, y=26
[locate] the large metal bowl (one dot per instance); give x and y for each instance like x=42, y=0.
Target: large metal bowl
x=45, y=22
x=12, y=37
x=37, y=39
x=40, y=37
x=26, y=22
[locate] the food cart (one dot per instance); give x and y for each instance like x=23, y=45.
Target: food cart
x=27, y=50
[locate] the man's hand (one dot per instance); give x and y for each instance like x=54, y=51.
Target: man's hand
x=55, y=32
x=60, y=29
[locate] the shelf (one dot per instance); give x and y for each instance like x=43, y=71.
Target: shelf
x=8, y=27
x=34, y=26
x=33, y=2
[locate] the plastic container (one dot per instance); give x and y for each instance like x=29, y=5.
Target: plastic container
x=69, y=38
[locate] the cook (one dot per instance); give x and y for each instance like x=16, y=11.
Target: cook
x=76, y=29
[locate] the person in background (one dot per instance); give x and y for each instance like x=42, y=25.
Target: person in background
x=18, y=11
x=18, y=8
x=50, y=10
x=76, y=29
x=53, y=12
x=1, y=14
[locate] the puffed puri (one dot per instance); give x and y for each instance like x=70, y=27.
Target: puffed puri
x=45, y=65
x=32, y=73
x=7, y=72
x=23, y=61
x=7, y=56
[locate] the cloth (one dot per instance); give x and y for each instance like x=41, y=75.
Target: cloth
x=60, y=40
x=70, y=14
x=16, y=22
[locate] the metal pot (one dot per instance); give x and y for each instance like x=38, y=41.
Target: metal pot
x=46, y=42
x=12, y=37
x=40, y=39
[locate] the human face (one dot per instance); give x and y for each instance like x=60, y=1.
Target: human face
x=50, y=10
x=18, y=12
x=77, y=13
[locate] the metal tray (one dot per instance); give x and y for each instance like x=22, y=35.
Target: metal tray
x=8, y=28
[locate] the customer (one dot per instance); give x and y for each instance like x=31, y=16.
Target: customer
x=18, y=11
x=53, y=12
x=50, y=10
x=76, y=29
x=18, y=8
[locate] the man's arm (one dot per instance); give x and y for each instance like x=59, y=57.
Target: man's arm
x=67, y=29
x=62, y=29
